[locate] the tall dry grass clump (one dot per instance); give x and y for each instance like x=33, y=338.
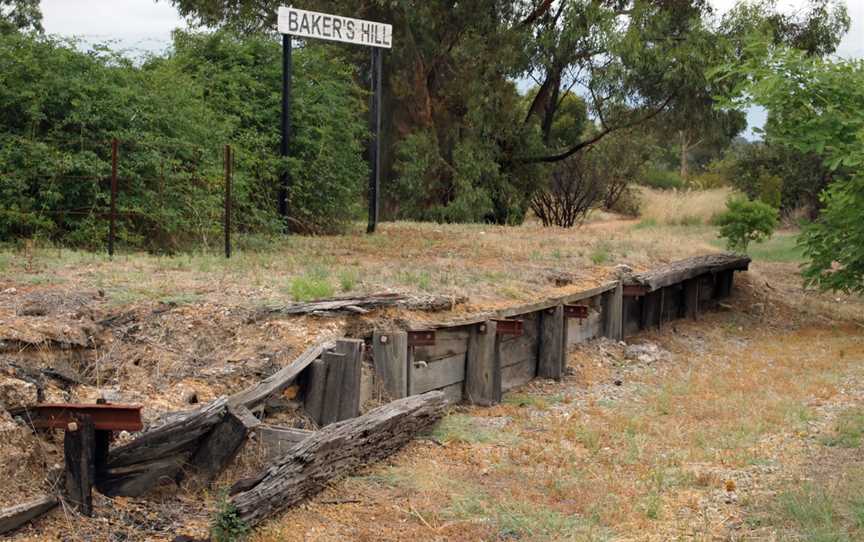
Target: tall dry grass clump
x=683, y=207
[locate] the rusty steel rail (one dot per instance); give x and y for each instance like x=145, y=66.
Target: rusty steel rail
x=105, y=417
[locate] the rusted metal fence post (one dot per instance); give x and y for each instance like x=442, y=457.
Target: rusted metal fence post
x=229, y=157
x=113, y=215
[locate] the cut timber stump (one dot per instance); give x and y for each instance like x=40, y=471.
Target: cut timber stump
x=483, y=370
x=334, y=452
x=16, y=516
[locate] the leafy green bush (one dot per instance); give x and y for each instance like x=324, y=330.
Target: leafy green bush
x=227, y=525
x=60, y=108
x=662, y=179
x=746, y=221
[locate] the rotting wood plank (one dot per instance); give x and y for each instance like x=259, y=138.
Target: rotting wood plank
x=689, y=268
x=437, y=374
x=334, y=452
x=278, y=381
x=224, y=441
x=158, y=454
x=390, y=352
x=361, y=305
x=550, y=357
x=581, y=330
x=275, y=441
x=482, y=366
x=518, y=374
x=448, y=343
x=17, y=516
x=651, y=307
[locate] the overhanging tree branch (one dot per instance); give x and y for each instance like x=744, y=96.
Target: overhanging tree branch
x=588, y=142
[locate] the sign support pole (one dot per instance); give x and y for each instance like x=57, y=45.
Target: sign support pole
x=375, y=147
x=285, y=181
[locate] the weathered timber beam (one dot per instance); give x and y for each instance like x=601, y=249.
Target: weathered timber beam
x=18, y=515
x=689, y=268
x=334, y=452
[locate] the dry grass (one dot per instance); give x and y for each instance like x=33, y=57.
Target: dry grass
x=682, y=207
x=652, y=459
x=493, y=265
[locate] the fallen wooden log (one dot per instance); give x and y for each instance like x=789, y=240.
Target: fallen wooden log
x=16, y=516
x=689, y=268
x=362, y=305
x=334, y=452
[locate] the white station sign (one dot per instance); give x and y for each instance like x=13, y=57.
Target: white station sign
x=311, y=24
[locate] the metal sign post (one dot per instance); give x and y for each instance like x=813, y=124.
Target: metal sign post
x=311, y=24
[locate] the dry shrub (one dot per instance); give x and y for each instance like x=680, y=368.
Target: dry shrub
x=683, y=207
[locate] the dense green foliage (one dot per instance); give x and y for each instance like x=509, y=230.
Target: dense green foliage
x=60, y=108
x=745, y=222
x=817, y=106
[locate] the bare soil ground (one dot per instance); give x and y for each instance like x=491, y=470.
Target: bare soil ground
x=692, y=445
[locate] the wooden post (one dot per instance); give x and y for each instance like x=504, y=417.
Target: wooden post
x=651, y=307
x=483, y=370
x=724, y=284
x=314, y=388
x=691, y=298
x=349, y=396
x=79, y=445
x=613, y=313
x=551, y=357
x=390, y=351
x=332, y=384
x=222, y=444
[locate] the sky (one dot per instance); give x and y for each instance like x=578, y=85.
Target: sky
x=146, y=25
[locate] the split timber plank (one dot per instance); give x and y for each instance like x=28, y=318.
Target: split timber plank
x=448, y=343
x=276, y=441
x=315, y=382
x=275, y=383
x=16, y=516
x=334, y=452
x=689, y=268
x=518, y=374
x=691, y=298
x=437, y=374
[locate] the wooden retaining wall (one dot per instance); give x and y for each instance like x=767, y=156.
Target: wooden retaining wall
x=466, y=363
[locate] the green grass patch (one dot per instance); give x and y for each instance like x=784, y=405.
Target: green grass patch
x=601, y=254
x=646, y=223
x=314, y=284
x=848, y=430
x=780, y=248
x=469, y=430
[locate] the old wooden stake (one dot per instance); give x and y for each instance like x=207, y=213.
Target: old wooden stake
x=691, y=298
x=349, y=394
x=613, y=313
x=79, y=445
x=483, y=370
x=390, y=351
x=551, y=357
x=314, y=386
